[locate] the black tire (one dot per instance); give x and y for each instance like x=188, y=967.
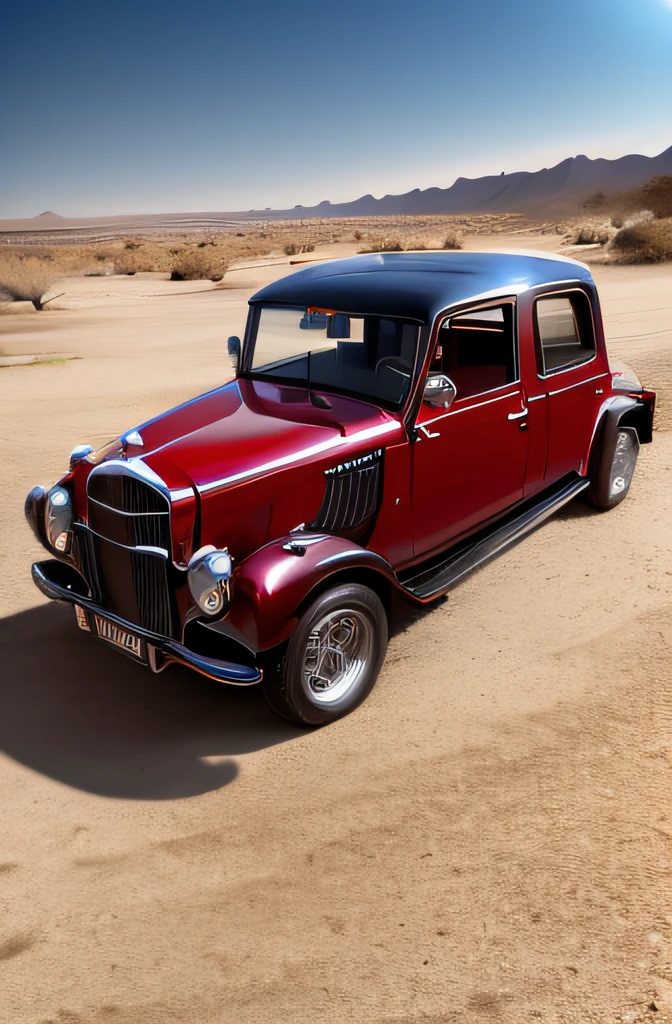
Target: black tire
x=613, y=468
x=333, y=657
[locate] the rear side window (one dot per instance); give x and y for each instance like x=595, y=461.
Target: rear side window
x=564, y=329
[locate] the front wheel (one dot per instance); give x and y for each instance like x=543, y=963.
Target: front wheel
x=333, y=657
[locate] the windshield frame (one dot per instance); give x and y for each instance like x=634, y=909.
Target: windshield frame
x=248, y=373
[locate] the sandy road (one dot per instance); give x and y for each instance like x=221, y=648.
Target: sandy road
x=486, y=838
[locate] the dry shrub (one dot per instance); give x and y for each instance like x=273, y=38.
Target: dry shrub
x=196, y=265
x=590, y=234
x=454, y=240
x=642, y=217
x=379, y=243
x=294, y=248
x=647, y=242
x=358, y=236
x=27, y=279
x=654, y=195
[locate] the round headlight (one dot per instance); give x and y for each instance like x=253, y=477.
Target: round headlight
x=58, y=518
x=209, y=574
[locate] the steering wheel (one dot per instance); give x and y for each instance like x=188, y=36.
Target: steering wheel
x=396, y=364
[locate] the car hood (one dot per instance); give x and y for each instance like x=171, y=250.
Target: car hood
x=248, y=428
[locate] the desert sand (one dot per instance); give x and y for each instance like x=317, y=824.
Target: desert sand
x=487, y=838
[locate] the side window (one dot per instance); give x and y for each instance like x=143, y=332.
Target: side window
x=478, y=350
x=564, y=329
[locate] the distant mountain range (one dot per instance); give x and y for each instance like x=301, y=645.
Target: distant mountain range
x=553, y=191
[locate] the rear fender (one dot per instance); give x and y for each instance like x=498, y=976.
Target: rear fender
x=268, y=588
x=617, y=410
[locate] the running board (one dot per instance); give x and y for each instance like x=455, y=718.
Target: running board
x=426, y=583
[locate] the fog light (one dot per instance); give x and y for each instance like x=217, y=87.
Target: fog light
x=209, y=574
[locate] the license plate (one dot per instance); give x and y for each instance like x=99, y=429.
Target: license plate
x=119, y=637
x=82, y=620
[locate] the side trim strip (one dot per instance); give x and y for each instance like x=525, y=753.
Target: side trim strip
x=578, y=384
x=305, y=453
x=467, y=408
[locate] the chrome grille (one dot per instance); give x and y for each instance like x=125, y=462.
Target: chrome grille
x=151, y=592
x=125, y=518
x=146, y=529
x=126, y=494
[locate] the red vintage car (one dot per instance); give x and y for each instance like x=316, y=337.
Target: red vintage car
x=396, y=420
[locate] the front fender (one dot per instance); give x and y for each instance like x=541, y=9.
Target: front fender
x=268, y=588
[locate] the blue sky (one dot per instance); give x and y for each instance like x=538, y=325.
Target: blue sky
x=157, y=107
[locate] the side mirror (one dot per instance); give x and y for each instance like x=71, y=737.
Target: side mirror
x=439, y=390
x=233, y=346
x=338, y=326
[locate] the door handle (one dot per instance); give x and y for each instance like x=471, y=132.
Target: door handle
x=517, y=415
x=428, y=433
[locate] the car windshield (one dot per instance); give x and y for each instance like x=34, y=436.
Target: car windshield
x=368, y=357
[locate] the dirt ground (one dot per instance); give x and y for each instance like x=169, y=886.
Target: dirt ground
x=486, y=839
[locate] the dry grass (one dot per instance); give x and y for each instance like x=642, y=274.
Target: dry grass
x=381, y=243
x=197, y=265
x=455, y=240
x=591, y=234
x=27, y=269
x=644, y=242
x=29, y=278
x=654, y=195
x=294, y=248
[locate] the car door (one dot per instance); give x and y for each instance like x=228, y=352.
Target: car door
x=469, y=460
x=572, y=364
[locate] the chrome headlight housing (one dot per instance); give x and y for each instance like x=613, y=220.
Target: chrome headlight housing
x=58, y=518
x=209, y=572
x=111, y=450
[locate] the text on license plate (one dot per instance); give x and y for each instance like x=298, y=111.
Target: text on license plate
x=108, y=631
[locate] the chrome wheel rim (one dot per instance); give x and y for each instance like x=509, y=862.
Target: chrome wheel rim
x=623, y=465
x=338, y=651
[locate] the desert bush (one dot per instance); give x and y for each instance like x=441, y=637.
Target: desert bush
x=25, y=278
x=131, y=244
x=654, y=195
x=617, y=222
x=379, y=243
x=453, y=241
x=590, y=234
x=643, y=217
x=294, y=248
x=645, y=242
x=358, y=236
x=197, y=266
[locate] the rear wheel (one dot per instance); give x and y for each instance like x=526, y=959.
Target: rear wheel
x=611, y=476
x=333, y=657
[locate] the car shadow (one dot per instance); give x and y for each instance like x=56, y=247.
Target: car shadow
x=86, y=716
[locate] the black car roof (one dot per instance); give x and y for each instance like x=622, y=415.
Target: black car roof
x=418, y=285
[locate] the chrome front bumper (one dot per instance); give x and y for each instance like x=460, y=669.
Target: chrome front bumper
x=61, y=582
